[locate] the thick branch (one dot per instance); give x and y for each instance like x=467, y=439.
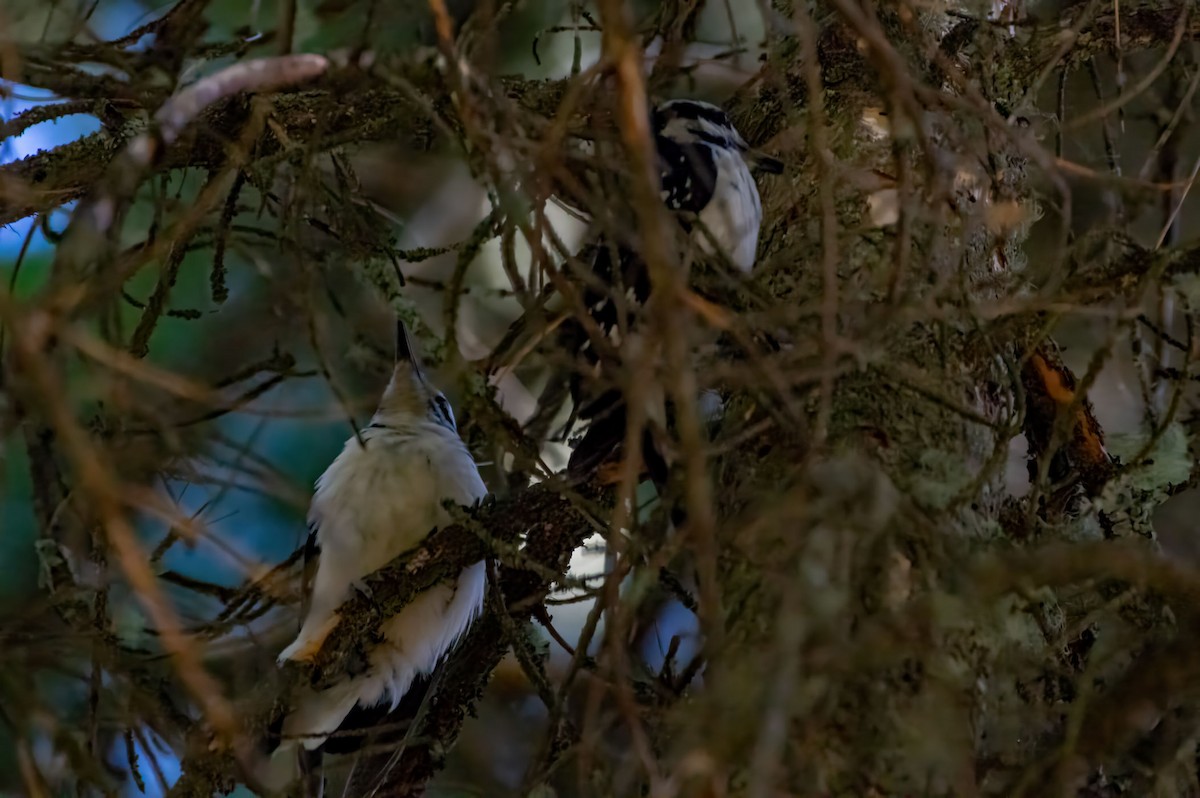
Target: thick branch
x=553, y=528
x=339, y=112
x=343, y=112
x=439, y=559
x=549, y=544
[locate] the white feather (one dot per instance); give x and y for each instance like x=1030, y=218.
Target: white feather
x=734, y=213
x=372, y=504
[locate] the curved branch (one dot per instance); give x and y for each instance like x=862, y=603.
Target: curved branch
x=339, y=113
x=332, y=115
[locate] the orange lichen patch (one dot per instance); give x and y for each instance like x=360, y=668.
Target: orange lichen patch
x=1055, y=381
x=1060, y=385
x=1051, y=390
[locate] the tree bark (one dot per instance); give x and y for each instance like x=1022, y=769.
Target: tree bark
x=888, y=619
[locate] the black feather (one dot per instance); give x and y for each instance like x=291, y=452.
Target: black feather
x=604, y=437
x=689, y=109
x=688, y=173
x=357, y=730
x=615, y=297
x=378, y=725
x=617, y=286
x=312, y=773
x=614, y=294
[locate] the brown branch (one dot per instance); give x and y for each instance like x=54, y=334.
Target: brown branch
x=306, y=121
x=97, y=221
x=341, y=112
x=336, y=113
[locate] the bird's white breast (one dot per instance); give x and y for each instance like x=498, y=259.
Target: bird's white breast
x=734, y=214
x=375, y=502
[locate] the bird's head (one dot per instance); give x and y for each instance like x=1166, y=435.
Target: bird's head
x=409, y=397
x=694, y=122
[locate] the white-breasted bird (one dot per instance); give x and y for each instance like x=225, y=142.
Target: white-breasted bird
x=706, y=177
x=379, y=498
x=706, y=168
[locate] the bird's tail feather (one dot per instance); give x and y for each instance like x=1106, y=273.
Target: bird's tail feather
x=416, y=638
x=600, y=441
x=312, y=771
x=421, y=634
x=604, y=441
x=318, y=713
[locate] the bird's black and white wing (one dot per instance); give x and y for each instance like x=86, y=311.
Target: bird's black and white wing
x=706, y=180
x=615, y=297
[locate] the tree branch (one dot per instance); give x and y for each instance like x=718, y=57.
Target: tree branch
x=339, y=111
x=552, y=526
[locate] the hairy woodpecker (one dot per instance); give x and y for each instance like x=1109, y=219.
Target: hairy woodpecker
x=706, y=177
x=380, y=497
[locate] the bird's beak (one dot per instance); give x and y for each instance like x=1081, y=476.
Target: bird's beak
x=764, y=163
x=404, y=348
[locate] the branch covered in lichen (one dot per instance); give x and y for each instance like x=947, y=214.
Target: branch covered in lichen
x=550, y=527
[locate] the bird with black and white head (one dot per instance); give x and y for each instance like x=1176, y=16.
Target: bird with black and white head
x=706, y=168
x=706, y=174
x=382, y=496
